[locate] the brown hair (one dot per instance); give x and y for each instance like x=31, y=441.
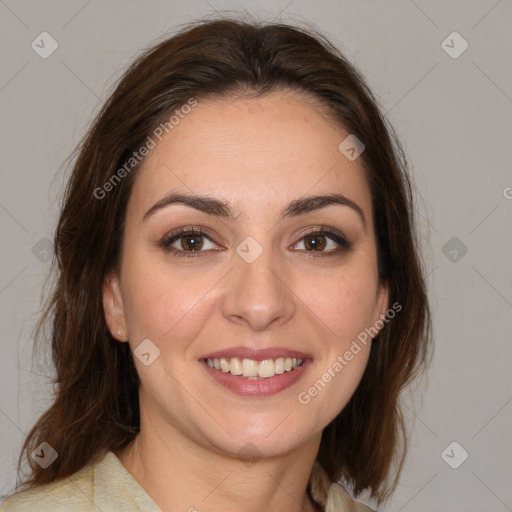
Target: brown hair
x=96, y=400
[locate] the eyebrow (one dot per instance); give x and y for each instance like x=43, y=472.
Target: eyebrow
x=219, y=208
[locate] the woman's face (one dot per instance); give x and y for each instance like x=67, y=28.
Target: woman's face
x=252, y=286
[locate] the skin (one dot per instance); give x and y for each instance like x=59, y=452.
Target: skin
x=257, y=154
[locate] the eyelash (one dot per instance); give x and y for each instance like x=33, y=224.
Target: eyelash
x=326, y=231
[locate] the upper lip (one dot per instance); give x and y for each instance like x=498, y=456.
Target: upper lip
x=257, y=354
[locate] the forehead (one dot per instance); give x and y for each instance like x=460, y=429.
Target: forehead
x=254, y=152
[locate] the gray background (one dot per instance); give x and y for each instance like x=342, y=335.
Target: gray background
x=454, y=117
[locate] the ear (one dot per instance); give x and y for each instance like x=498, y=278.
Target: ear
x=113, y=307
x=381, y=306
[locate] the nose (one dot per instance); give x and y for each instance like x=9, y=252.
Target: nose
x=257, y=293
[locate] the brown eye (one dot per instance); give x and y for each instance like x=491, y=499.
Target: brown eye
x=187, y=242
x=315, y=242
x=325, y=242
x=191, y=242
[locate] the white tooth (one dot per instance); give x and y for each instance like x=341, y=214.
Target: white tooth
x=224, y=365
x=235, y=367
x=250, y=368
x=267, y=368
x=279, y=365
x=253, y=369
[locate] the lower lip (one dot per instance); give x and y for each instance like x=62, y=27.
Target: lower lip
x=257, y=388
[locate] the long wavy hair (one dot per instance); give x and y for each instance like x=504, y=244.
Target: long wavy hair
x=96, y=406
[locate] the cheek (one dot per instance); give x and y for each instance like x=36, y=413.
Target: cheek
x=164, y=302
x=343, y=302
x=346, y=304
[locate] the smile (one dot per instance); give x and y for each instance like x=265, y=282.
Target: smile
x=253, y=378
x=255, y=370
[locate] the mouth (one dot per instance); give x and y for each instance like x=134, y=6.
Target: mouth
x=256, y=373
x=253, y=369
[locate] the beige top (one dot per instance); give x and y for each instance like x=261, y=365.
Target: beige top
x=107, y=486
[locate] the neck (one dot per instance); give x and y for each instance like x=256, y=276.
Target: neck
x=180, y=474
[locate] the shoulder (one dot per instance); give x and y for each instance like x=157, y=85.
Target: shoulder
x=339, y=499
x=360, y=507
x=68, y=494
x=332, y=496
x=103, y=484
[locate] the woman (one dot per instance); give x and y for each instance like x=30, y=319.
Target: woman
x=240, y=296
